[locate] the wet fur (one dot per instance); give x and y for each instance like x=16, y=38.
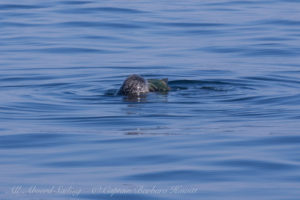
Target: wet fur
x=134, y=85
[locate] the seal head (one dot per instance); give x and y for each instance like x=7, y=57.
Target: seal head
x=134, y=86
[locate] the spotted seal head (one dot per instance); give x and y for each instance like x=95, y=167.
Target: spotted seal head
x=134, y=86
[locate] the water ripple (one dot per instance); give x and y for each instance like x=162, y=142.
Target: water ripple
x=257, y=165
x=181, y=175
x=101, y=9
x=31, y=140
x=8, y=7
x=98, y=24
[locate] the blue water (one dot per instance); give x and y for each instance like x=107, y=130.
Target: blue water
x=229, y=129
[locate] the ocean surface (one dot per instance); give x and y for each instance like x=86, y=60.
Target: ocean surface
x=228, y=129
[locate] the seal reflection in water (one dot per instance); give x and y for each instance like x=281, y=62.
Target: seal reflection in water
x=136, y=86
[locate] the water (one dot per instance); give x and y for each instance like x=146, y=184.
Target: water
x=229, y=129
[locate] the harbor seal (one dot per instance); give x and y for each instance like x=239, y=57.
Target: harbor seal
x=136, y=86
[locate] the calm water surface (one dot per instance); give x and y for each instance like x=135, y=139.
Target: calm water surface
x=229, y=129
